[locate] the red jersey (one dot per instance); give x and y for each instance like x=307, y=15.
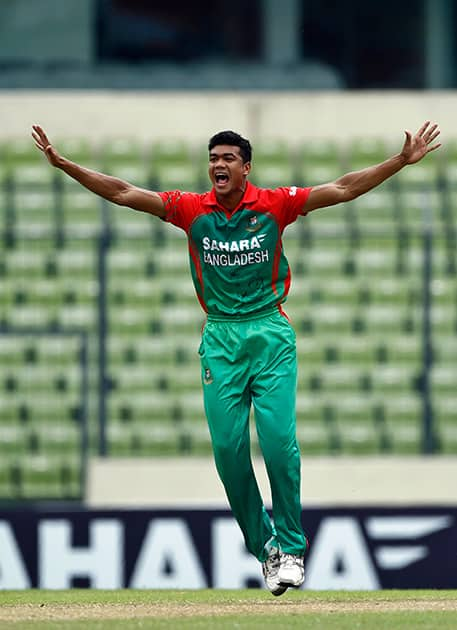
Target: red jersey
x=237, y=260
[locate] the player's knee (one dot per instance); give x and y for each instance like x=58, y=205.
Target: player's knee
x=229, y=454
x=224, y=450
x=282, y=449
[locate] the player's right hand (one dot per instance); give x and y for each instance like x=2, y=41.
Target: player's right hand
x=42, y=143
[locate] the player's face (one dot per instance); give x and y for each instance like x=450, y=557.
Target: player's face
x=227, y=171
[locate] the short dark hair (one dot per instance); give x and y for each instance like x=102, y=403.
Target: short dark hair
x=234, y=139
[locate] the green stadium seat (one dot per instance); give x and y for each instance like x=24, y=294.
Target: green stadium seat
x=363, y=152
x=45, y=476
x=20, y=151
x=332, y=221
x=143, y=440
x=77, y=149
x=7, y=491
x=418, y=207
x=273, y=151
x=125, y=158
x=79, y=317
x=171, y=151
x=82, y=213
x=77, y=263
x=129, y=222
x=58, y=439
x=33, y=175
x=444, y=406
x=423, y=175
x=444, y=319
x=312, y=433
x=313, y=437
x=273, y=165
x=175, y=166
x=358, y=437
x=35, y=212
x=5, y=175
x=28, y=316
x=271, y=175
x=449, y=162
x=122, y=151
x=403, y=423
x=179, y=176
x=376, y=212
x=443, y=378
x=445, y=349
x=13, y=439
x=137, y=174
x=318, y=162
x=6, y=208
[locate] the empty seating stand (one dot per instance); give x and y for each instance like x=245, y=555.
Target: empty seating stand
x=356, y=303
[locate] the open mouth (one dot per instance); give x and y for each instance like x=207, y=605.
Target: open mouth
x=221, y=179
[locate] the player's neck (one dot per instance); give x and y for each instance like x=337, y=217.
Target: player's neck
x=232, y=200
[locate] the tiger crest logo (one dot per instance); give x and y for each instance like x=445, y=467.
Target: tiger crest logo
x=207, y=377
x=253, y=224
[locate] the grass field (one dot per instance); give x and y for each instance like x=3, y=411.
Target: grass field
x=207, y=609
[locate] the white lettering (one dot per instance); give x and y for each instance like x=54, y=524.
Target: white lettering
x=233, y=246
x=235, y=568
x=339, y=558
x=13, y=574
x=227, y=260
x=101, y=561
x=168, y=558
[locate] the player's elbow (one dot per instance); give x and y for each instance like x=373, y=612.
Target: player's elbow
x=119, y=199
x=350, y=193
x=343, y=194
x=120, y=196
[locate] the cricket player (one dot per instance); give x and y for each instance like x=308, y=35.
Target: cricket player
x=248, y=356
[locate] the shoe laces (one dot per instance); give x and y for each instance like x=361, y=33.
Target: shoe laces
x=272, y=562
x=289, y=560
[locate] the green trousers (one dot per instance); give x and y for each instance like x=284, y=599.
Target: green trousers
x=252, y=360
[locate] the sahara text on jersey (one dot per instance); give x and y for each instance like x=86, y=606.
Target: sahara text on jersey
x=234, y=253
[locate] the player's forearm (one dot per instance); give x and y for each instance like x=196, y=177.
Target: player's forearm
x=359, y=182
x=111, y=188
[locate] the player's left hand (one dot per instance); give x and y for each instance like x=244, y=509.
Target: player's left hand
x=417, y=146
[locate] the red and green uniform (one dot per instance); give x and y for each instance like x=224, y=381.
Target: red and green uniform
x=248, y=356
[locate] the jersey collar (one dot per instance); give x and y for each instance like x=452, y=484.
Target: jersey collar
x=251, y=194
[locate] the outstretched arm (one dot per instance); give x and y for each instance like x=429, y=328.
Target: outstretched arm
x=354, y=184
x=111, y=188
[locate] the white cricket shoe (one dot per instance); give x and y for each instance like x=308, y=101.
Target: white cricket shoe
x=291, y=571
x=270, y=570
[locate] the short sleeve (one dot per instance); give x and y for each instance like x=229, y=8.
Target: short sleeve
x=294, y=199
x=180, y=207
